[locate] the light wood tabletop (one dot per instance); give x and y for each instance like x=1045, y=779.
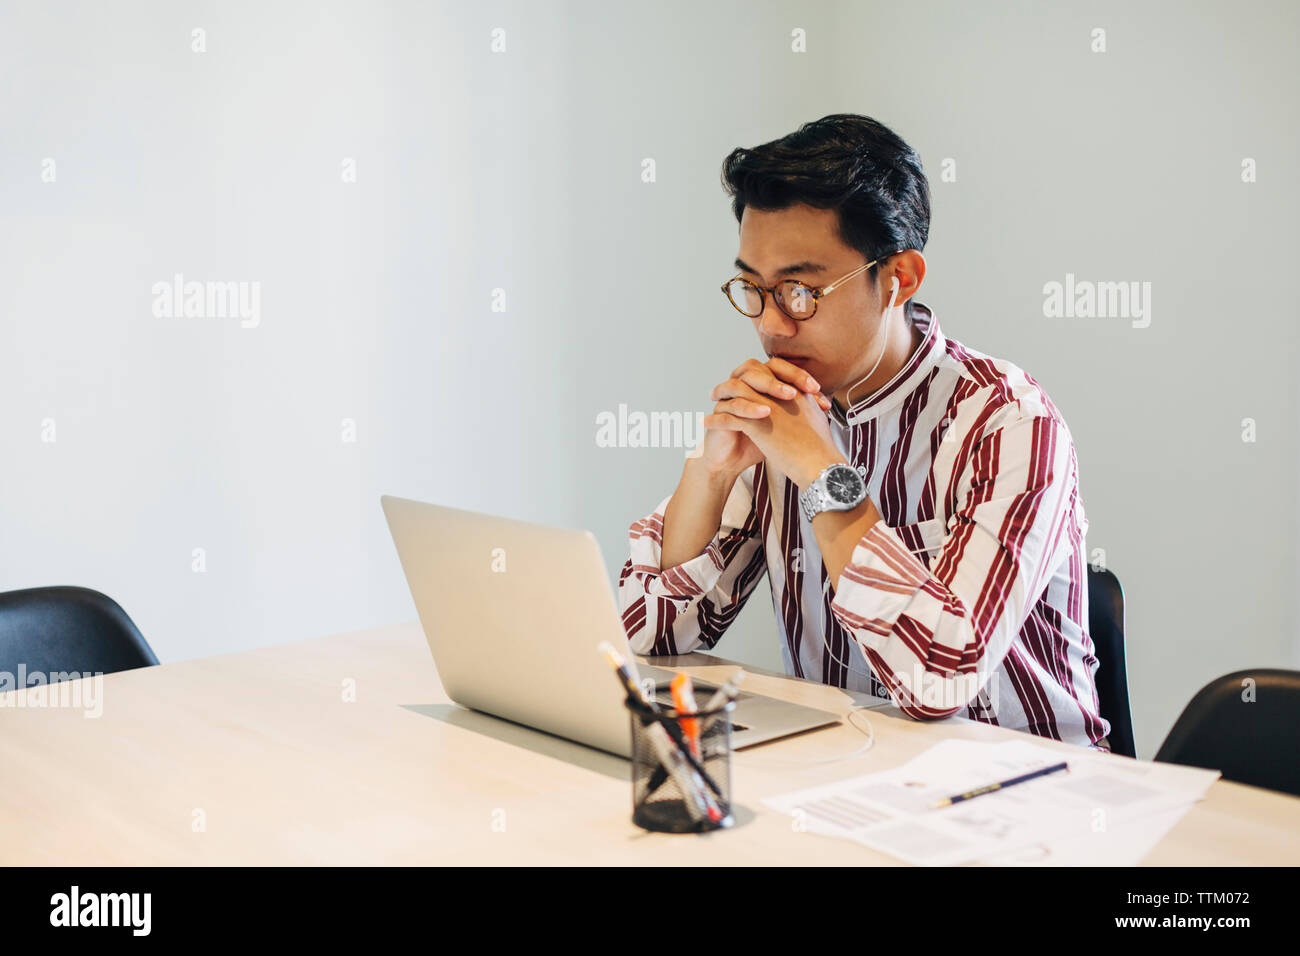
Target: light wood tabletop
x=345, y=750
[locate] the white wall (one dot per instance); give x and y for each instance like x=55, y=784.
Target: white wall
x=522, y=171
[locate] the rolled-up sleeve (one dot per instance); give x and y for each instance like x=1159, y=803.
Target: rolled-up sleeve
x=675, y=610
x=934, y=635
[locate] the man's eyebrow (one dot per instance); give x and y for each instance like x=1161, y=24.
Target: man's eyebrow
x=786, y=271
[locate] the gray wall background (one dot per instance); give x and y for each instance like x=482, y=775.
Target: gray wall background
x=521, y=171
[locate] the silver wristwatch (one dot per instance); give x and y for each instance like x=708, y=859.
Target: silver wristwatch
x=837, y=488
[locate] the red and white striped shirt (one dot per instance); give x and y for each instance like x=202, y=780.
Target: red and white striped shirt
x=969, y=597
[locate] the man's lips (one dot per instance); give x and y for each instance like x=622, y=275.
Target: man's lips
x=799, y=360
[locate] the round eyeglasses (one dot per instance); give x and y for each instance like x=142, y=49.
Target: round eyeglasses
x=796, y=299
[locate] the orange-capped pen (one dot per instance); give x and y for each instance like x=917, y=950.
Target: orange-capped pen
x=684, y=702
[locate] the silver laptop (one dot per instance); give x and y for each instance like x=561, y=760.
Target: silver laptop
x=513, y=613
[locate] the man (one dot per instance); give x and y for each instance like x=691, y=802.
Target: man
x=915, y=503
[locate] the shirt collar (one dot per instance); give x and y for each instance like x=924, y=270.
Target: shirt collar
x=914, y=371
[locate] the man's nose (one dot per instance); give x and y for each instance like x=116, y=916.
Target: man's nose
x=773, y=322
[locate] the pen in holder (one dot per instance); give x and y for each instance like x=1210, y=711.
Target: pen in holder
x=681, y=768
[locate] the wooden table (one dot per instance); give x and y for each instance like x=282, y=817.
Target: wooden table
x=345, y=750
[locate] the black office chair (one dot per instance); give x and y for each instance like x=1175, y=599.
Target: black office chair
x=62, y=630
x=1248, y=732
x=1106, y=627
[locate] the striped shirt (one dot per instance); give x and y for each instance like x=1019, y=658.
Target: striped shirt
x=969, y=597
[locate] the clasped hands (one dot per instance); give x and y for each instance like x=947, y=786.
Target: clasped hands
x=773, y=411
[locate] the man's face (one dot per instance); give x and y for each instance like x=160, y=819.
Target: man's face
x=831, y=344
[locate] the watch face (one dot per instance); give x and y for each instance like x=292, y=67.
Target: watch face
x=844, y=485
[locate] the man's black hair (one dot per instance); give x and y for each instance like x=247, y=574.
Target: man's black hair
x=852, y=164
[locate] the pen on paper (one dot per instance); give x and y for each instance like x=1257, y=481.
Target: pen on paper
x=1000, y=785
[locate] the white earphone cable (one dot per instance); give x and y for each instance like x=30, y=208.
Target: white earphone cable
x=869, y=732
x=889, y=311
x=848, y=401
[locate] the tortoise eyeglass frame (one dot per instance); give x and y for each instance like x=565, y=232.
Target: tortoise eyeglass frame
x=811, y=292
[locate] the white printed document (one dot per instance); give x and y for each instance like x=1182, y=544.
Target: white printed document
x=893, y=810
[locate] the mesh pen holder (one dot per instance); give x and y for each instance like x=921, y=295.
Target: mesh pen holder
x=677, y=787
